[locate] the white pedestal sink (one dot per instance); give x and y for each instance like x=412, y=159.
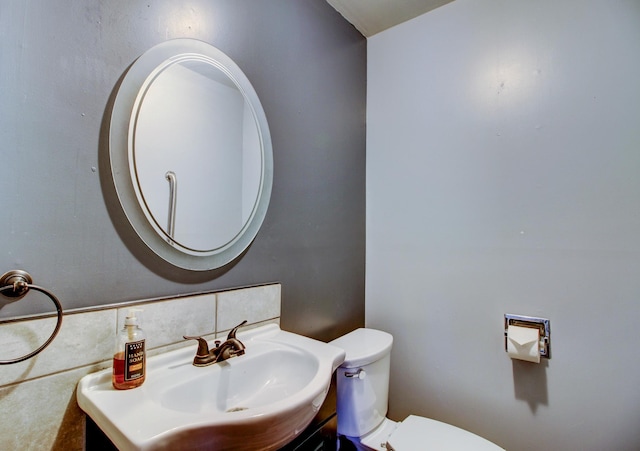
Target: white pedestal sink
x=259, y=401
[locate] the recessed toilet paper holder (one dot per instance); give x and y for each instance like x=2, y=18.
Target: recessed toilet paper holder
x=541, y=324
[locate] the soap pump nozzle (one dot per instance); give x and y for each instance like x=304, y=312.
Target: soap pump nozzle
x=132, y=319
x=131, y=322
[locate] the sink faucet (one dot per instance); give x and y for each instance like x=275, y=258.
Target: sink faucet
x=232, y=347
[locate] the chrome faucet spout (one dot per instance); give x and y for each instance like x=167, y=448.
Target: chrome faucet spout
x=232, y=347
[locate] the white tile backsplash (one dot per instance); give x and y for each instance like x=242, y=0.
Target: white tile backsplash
x=83, y=339
x=42, y=414
x=237, y=305
x=85, y=344
x=165, y=322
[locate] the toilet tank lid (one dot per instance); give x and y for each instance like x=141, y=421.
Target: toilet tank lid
x=363, y=346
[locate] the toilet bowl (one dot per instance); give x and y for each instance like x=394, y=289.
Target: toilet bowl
x=362, y=401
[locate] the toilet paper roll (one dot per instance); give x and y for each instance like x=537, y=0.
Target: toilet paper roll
x=523, y=343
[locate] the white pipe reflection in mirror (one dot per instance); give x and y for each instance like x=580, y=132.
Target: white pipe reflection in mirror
x=173, y=198
x=187, y=106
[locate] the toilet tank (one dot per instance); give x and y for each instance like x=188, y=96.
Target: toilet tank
x=363, y=381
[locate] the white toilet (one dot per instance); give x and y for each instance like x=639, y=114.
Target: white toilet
x=362, y=400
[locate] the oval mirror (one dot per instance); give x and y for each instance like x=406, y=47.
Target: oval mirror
x=190, y=154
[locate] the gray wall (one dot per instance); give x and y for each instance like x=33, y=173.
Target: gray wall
x=511, y=131
x=60, y=64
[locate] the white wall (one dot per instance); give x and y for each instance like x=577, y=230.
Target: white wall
x=503, y=176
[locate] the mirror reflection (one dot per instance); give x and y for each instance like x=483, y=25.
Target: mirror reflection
x=194, y=125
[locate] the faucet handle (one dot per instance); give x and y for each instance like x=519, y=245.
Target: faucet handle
x=232, y=333
x=203, y=346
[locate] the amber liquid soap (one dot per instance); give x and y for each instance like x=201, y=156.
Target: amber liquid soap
x=129, y=359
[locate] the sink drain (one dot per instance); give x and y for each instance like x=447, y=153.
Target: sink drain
x=237, y=409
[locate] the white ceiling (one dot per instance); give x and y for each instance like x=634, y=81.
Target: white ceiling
x=372, y=16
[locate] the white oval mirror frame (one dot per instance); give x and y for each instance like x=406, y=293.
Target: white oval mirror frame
x=127, y=106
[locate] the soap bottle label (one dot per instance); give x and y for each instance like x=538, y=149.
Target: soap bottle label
x=134, y=360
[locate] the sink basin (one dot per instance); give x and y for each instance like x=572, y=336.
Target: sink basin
x=259, y=401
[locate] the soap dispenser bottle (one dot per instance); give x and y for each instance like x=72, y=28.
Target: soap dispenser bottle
x=129, y=359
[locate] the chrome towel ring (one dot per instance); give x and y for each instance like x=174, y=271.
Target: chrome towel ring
x=16, y=284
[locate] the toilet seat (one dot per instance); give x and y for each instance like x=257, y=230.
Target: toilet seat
x=377, y=439
x=423, y=433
